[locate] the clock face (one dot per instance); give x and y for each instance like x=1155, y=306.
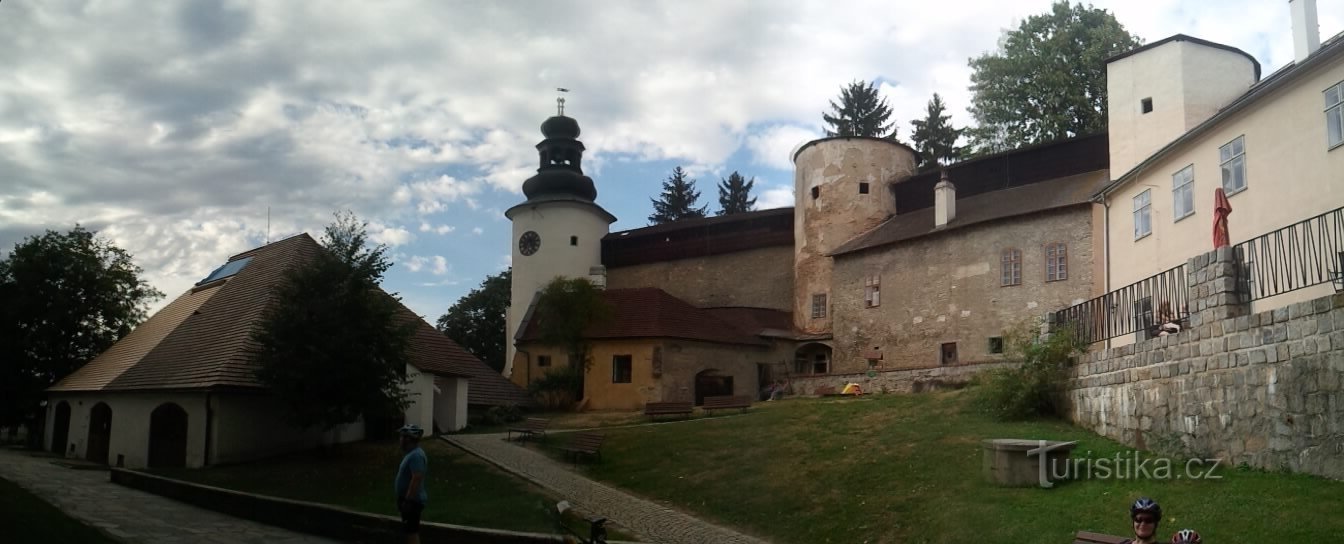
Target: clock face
x=529, y=243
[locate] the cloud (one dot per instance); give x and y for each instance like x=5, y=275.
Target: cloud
x=416, y=263
x=477, y=231
x=441, y=229
x=775, y=197
x=775, y=145
x=392, y=236
x=440, y=265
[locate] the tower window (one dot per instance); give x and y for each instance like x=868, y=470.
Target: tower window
x=863, y=188
x=949, y=353
x=573, y=240
x=996, y=344
x=816, y=192
x=1146, y=104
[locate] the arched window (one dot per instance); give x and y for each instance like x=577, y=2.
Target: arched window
x=1011, y=271
x=1056, y=262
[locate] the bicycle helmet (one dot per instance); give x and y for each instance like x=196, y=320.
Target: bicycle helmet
x=1186, y=536
x=411, y=430
x=1145, y=504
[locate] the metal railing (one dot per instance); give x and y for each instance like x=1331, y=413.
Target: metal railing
x=1298, y=256
x=1134, y=308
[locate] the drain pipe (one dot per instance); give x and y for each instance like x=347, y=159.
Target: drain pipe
x=209, y=428
x=1106, y=251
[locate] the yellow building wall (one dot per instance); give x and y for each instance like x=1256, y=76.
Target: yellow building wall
x=598, y=389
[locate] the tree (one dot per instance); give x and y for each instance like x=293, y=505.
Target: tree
x=677, y=200
x=477, y=321
x=861, y=112
x=566, y=309
x=1047, y=80
x=735, y=193
x=934, y=137
x=67, y=297
x=333, y=346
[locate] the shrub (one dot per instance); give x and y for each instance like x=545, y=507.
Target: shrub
x=500, y=415
x=1033, y=388
x=558, y=389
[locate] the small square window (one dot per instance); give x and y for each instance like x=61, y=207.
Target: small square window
x=543, y=360
x=863, y=188
x=818, y=306
x=872, y=292
x=949, y=351
x=816, y=192
x=620, y=368
x=573, y=240
x=1146, y=104
x=996, y=344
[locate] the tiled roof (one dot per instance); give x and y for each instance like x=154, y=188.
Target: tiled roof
x=756, y=321
x=982, y=208
x=203, y=339
x=649, y=312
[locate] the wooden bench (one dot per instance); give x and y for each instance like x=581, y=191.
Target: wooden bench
x=727, y=402
x=655, y=409
x=825, y=391
x=586, y=443
x=533, y=426
x=1084, y=537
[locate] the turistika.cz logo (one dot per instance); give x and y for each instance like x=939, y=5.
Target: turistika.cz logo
x=1131, y=465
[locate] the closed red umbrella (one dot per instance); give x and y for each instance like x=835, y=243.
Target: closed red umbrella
x=1221, y=209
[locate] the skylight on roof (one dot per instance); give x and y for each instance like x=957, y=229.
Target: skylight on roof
x=230, y=268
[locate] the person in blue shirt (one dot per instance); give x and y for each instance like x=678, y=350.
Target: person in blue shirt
x=410, y=483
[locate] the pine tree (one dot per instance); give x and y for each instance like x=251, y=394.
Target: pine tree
x=861, y=112
x=677, y=200
x=734, y=194
x=934, y=137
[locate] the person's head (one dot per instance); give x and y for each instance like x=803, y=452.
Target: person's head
x=1146, y=514
x=1186, y=536
x=410, y=436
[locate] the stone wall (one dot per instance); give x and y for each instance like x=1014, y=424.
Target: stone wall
x=946, y=288
x=1263, y=389
x=895, y=381
x=758, y=278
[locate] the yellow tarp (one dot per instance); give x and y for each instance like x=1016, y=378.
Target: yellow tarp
x=852, y=389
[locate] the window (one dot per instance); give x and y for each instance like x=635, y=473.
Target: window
x=543, y=360
x=1012, y=268
x=1143, y=222
x=620, y=369
x=573, y=240
x=949, y=351
x=863, y=188
x=996, y=344
x=1056, y=262
x=816, y=191
x=872, y=292
x=1233, y=157
x=1183, y=192
x=818, y=306
x=820, y=365
x=1334, y=115
x=1146, y=105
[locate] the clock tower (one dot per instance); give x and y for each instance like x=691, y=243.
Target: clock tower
x=558, y=230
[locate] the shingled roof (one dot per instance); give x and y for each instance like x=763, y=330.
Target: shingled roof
x=203, y=339
x=649, y=312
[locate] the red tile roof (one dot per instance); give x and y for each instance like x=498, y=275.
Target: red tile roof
x=649, y=312
x=203, y=339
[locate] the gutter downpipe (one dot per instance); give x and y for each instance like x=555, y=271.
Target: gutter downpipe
x=1106, y=250
x=209, y=427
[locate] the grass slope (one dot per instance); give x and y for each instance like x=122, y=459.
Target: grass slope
x=26, y=519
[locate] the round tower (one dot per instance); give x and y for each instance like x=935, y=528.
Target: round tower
x=841, y=189
x=558, y=230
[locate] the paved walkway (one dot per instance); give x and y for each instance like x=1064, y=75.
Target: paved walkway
x=131, y=515
x=651, y=521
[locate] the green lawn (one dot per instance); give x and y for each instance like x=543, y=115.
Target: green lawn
x=906, y=468
x=462, y=489
x=26, y=519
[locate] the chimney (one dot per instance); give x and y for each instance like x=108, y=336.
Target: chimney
x=1306, y=33
x=597, y=275
x=944, y=202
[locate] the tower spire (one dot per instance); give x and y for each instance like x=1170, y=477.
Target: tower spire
x=560, y=101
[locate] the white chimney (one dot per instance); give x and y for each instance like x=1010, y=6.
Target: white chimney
x=1306, y=32
x=944, y=202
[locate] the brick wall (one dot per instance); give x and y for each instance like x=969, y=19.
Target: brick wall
x=758, y=278
x=946, y=288
x=1263, y=388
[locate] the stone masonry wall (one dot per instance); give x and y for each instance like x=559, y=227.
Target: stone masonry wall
x=1266, y=389
x=946, y=288
x=895, y=381
x=758, y=278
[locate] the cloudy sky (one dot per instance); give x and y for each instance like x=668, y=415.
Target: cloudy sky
x=171, y=127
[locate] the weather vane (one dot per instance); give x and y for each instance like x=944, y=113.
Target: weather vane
x=560, y=101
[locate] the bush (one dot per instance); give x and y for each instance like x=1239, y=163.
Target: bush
x=500, y=415
x=1034, y=387
x=558, y=389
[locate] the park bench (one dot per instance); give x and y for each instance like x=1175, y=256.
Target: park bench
x=533, y=426
x=1084, y=537
x=655, y=409
x=587, y=443
x=825, y=391
x=727, y=402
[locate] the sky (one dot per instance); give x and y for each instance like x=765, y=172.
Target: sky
x=189, y=131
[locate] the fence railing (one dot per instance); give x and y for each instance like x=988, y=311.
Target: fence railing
x=1135, y=308
x=1298, y=256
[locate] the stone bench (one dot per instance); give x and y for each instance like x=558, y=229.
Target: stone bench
x=1010, y=462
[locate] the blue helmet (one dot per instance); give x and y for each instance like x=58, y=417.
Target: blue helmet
x=412, y=430
x=1145, y=504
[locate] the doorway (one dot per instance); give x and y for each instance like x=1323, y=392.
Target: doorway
x=100, y=433
x=60, y=430
x=168, y=436
x=709, y=383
